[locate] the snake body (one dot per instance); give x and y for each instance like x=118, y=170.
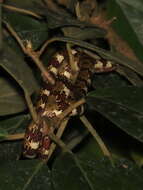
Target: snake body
x=54, y=99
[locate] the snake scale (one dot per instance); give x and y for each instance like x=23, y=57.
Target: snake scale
x=54, y=99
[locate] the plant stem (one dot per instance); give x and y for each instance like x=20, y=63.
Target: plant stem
x=31, y=107
x=59, y=142
x=70, y=108
x=14, y=34
x=58, y=134
x=72, y=62
x=94, y=133
x=34, y=55
x=13, y=137
x=23, y=11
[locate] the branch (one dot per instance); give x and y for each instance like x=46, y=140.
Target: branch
x=94, y=133
x=70, y=108
x=58, y=134
x=13, y=137
x=31, y=107
x=29, y=51
x=23, y=11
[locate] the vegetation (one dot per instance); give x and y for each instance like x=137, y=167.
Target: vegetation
x=103, y=147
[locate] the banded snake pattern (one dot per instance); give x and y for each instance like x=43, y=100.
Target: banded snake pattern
x=54, y=99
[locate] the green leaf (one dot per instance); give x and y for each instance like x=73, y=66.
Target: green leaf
x=0, y=26
x=90, y=149
x=10, y=150
x=108, y=80
x=18, y=69
x=84, y=33
x=62, y=19
x=66, y=174
x=15, y=124
x=128, y=24
x=123, y=106
x=11, y=99
x=3, y=134
x=27, y=28
x=24, y=175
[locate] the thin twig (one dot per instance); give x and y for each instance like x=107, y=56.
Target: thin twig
x=14, y=34
x=13, y=137
x=73, y=64
x=77, y=140
x=70, y=108
x=44, y=46
x=94, y=133
x=42, y=68
x=23, y=11
x=36, y=170
x=59, y=142
x=71, y=59
x=31, y=53
x=31, y=107
x=58, y=134
x=89, y=53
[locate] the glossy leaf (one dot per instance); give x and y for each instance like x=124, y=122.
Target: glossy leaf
x=88, y=33
x=10, y=150
x=14, y=124
x=123, y=106
x=129, y=22
x=18, y=69
x=24, y=175
x=27, y=28
x=11, y=99
x=1, y=26
x=101, y=175
x=64, y=167
x=107, y=80
x=62, y=19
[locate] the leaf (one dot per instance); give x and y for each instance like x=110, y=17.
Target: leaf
x=130, y=75
x=90, y=149
x=24, y=175
x=15, y=124
x=129, y=22
x=123, y=106
x=66, y=174
x=63, y=19
x=3, y=134
x=73, y=179
x=27, y=28
x=84, y=33
x=11, y=99
x=18, y=69
x=0, y=26
x=10, y=151
x=112, y=79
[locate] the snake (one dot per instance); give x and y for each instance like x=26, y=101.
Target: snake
x=55, y=98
